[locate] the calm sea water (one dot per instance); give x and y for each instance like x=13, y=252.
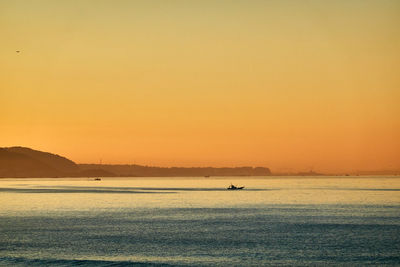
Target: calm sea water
x=196, y=221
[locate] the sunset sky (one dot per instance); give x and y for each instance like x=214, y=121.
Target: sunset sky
x=290, y=85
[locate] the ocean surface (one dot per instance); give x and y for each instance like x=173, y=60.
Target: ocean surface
x=287, y=221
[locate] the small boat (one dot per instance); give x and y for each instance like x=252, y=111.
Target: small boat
x=97, y=179
x=232, y=187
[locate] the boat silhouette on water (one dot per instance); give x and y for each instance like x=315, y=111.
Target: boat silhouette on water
x=232, y=187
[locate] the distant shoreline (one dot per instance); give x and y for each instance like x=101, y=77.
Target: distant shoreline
x=23, y=162
x=216, y=177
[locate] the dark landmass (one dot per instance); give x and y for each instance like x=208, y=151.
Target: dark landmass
x=147, y=171
x=22, y=162
x=26, y=162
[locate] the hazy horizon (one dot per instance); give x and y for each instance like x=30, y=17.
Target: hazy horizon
x=288, y=171
x=292, y=86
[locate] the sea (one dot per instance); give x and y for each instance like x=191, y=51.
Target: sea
x=196, y=221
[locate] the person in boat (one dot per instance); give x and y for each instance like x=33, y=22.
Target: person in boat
x=232, y=187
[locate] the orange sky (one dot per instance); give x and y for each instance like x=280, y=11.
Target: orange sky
x=291, y=85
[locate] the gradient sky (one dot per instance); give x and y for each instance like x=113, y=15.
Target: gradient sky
x=291, y=85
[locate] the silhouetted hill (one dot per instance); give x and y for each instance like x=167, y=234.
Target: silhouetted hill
x=26, y=162
x=14, y=164
x=57, y=162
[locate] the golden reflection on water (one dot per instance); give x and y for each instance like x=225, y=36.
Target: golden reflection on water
x=22, y=196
